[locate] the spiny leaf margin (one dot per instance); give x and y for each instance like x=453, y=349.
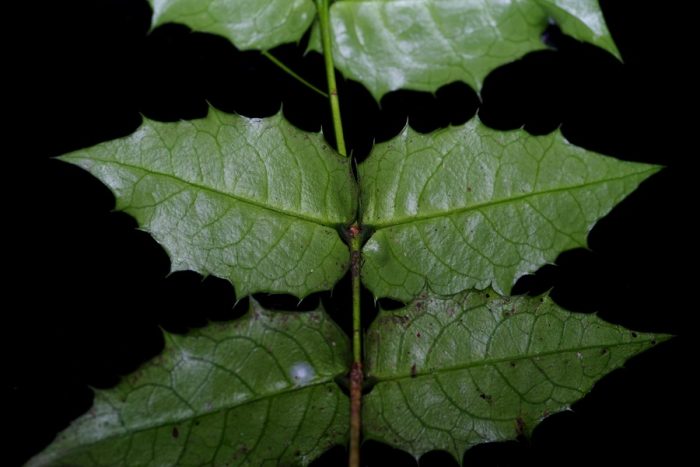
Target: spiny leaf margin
x=454, y=372
x=255, y=201
x=256, y=390
x=424, y=44
x=471, y=207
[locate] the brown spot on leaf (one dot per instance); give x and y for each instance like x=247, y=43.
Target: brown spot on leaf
x=401, y=320
x=240, y=452
x=414, y=372
x=519, y=426
x=175, y=432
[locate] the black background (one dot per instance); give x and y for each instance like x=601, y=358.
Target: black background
x=87, y=293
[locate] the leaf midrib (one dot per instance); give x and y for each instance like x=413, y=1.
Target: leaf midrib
x=495, y=361
x=257, y=204
x=475, y=207
x=174, y=421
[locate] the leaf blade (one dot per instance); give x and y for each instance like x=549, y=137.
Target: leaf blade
x=471, y=207
x=477, y=367
x=230, y=392
x=255, y=201
x=249, y=24
x=425, y=44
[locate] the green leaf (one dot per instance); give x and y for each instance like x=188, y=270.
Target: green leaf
x=249, y=24
x=256, y=201
x=256, y=391
x=424, y=44
x=470, y=207
x=477, y=367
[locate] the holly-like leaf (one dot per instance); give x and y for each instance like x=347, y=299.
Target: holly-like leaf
x=256, y=201
x=260, y=203
x=256, y=391
x=477, y=367
x=471, y=207
x=249, y=24
x=425, y=44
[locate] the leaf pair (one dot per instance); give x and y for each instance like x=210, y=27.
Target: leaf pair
x=450, y=373
x=393, y=44
x=260, y=202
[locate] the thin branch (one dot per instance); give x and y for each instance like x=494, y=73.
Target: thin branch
x=324, y=22
x=292, y=73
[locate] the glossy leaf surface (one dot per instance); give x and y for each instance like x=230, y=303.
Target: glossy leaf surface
x=478, y=367
x=257, y=391
x=471, y=207
x=255, y=201
x=425, y=44
x=249, y=24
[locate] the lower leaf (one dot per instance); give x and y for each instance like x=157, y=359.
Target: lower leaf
x=256, y=391
x=477, y=367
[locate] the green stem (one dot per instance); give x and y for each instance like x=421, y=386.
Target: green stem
x=292, y=73
x=324, y=22
x=355, y=237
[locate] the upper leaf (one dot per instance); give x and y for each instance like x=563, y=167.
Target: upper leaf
x=455, y=372
x=249, y=24
x=392, y=44
x=256, y=201
x=424, y=44
x=256, y=391
x=471, y=207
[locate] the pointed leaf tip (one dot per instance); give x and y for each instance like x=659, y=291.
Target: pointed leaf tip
x=453, y=372
x=255, y=201
x=471, y=207
x=257, y=389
